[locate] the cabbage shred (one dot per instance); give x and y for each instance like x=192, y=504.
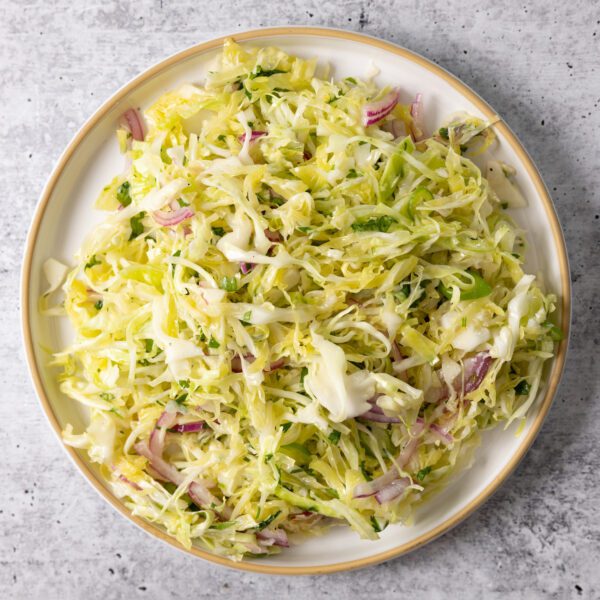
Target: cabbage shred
x=328, y=269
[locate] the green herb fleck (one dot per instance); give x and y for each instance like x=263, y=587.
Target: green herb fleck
x=285, y=427
x=364, y=471
x=213, y=343
x=351, y=80
x=331, y=493
x=423, y=473
x=98, y=305
x=170, y=487
x=181, y=398
x=184, y=383
x=137, y=227
x=268, y=521
x=260, y=72
x=268, y=457
x=352, y=174
x=443, y=131
x=522, y=388
x=148, y=344
x=382, y=223
x=334, y=436
x=375, y=524
x=221, y=138
x=123, y=193
x=92, y=262
x=303, y=374
x=218, y=231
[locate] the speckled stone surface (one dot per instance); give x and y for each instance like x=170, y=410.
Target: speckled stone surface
x=538, y=64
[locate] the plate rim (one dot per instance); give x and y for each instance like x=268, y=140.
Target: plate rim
x=465, y=91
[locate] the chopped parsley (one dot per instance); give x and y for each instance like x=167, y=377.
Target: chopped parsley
x=92, y=262
x=423, y=473
x=263, y=524
x=334, y=436
x=137, y=227
x=382, y=223
x=181, y=398
x=123, y=193
x=522, y=388
x=260, y=72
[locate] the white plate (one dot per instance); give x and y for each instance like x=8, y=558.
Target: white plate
x=65, y=213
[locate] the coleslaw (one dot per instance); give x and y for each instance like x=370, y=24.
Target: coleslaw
x=301, y=309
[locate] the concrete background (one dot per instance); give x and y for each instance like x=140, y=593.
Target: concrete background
x=538, y=64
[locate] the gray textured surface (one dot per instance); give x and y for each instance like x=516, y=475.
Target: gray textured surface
x=538, y=65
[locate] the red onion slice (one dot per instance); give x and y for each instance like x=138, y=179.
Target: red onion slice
x=276, y=364
x=134, y=485
x=273, y=236
x=392, y=491
x=375, y=413
x=442, y=434
x=167, y=419
x=174, y=217
x=416, y=112
x=156, y=442
x=155, y=474
x=395, y=352
x=370, y=488
x=188, y=427
x=200, y=495
x=253, y=136
x=133, y=121
x=273, y=537
x=236, y=362
x=245, y=267
x=375, y=111
x=475, y=370
x=162, y=467
x=372, y=415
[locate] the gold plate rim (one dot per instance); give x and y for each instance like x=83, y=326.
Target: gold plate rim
x=257, y=34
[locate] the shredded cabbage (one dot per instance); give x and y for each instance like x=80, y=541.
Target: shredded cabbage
x=343, y=304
